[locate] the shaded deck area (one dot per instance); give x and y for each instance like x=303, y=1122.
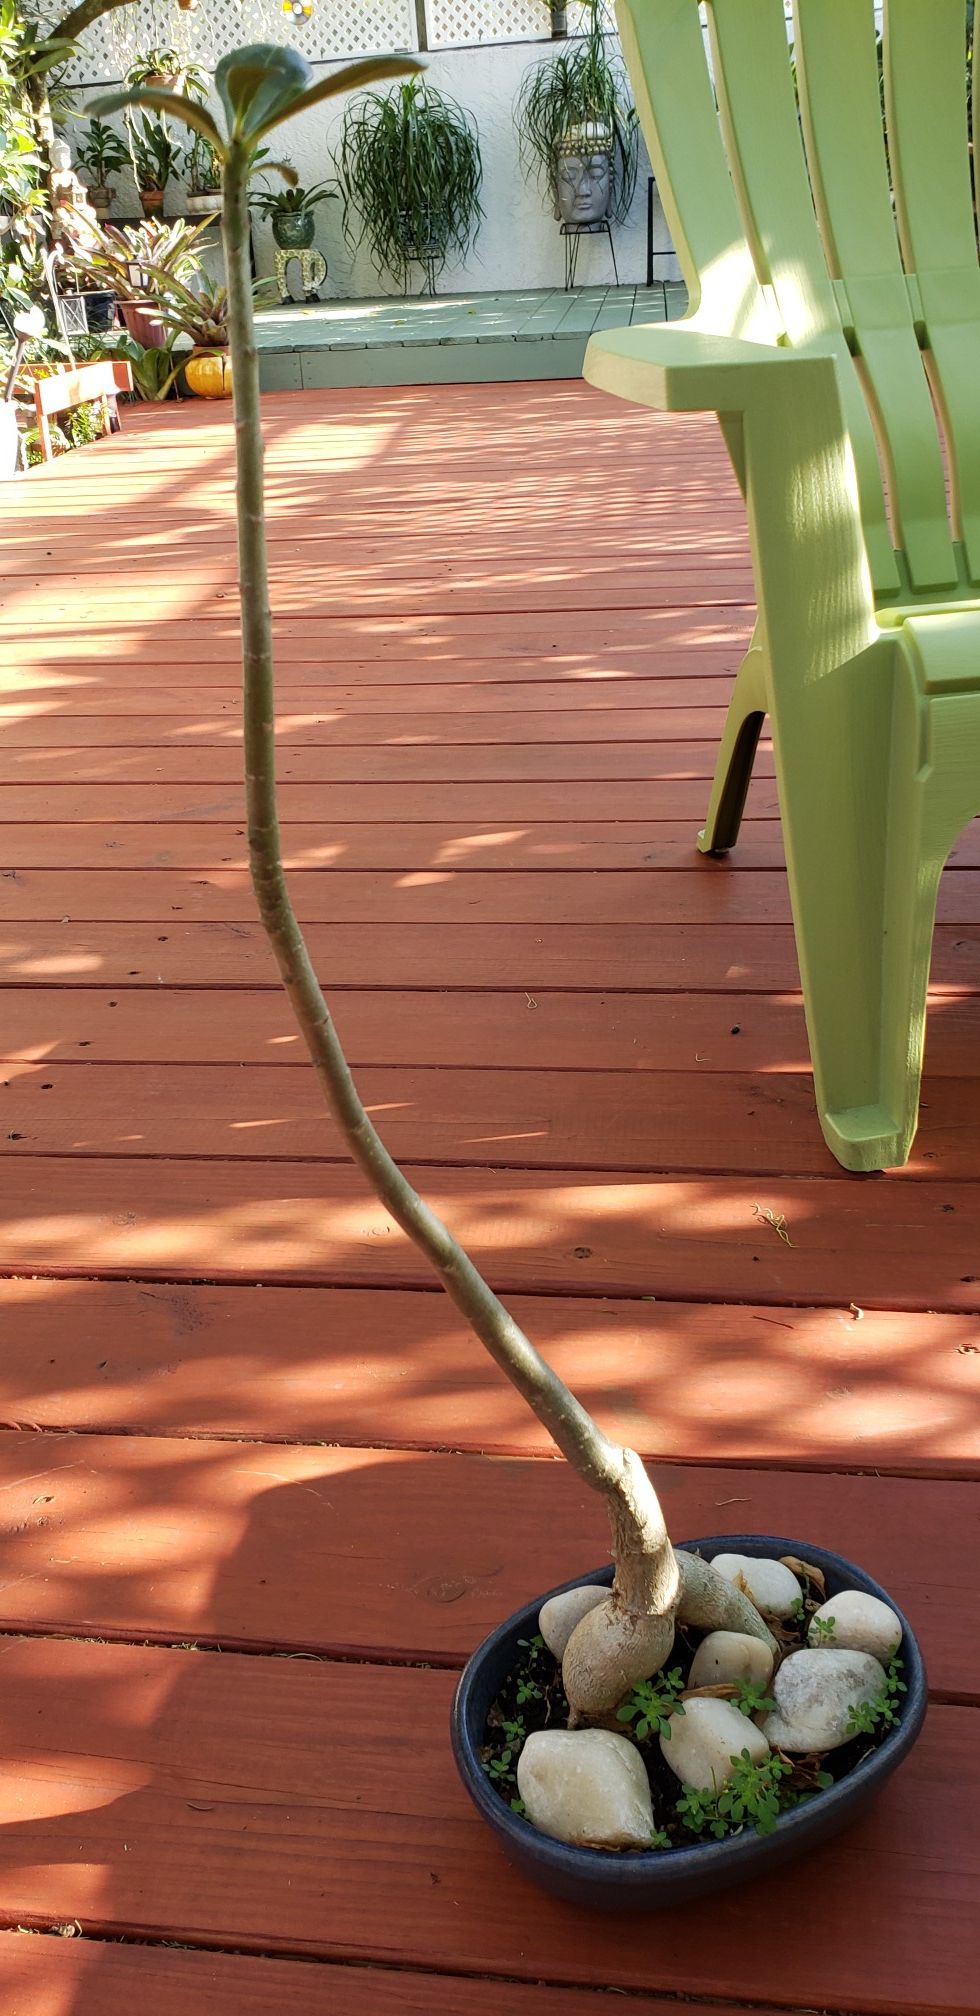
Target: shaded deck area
x=259, y=1494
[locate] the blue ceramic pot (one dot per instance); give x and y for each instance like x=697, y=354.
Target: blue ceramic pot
x=653, y=1881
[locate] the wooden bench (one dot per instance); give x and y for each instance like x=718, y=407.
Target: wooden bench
x=101, y=381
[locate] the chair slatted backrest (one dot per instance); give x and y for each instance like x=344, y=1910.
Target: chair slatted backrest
x=799, y=196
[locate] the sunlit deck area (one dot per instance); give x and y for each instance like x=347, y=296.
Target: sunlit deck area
x=261, y=1495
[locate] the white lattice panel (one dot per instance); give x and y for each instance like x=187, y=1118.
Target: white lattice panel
x=454, y=23
x=336, y=28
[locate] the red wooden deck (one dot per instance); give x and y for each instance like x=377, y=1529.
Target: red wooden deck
x=260, y=1495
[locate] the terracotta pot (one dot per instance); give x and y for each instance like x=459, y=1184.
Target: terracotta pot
x=163, y=80
x=151, y=202
x=100, y=197
x=142, y=319
x=207, y=373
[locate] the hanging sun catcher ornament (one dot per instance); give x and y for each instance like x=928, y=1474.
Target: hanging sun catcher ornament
x=298, y=10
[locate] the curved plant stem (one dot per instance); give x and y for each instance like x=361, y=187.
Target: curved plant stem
x=639, y=1531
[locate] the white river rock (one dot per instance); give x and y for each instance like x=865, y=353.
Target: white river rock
x=558, y=1617
x=860, y=1624
x=703, y=1741
x=771, y=1586
x=814, y=1692
x=586, y=1786
x=730, y=1656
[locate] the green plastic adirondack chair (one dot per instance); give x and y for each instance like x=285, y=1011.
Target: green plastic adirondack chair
x=836, y=333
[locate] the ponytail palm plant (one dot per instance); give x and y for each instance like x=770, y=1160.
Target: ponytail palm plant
x=581, y=94
x=627, y=1637
x=409, y=167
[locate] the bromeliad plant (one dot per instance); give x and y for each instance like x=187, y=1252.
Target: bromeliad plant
x=628, y=1636
x=409, y=168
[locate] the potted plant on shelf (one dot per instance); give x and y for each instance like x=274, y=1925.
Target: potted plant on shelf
x=155, y=156
x=203, y=178
x=409, y=169
x=291, y=212
x=760, y=1675
x=102, y=154
x=578, y=129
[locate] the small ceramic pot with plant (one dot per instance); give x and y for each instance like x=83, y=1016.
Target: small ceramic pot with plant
x=203, y=178
x=291, y=212
x=102, y=154
x=773, y=1684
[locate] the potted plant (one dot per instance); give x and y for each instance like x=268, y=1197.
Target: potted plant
x=102, y=154
x=155, y=156
x=201, y=313
x=671, y=1646
x=409, y=167
x=162, y=69
x=137, y=261
x=203, y=178
x=574, y=113
x=290, y=212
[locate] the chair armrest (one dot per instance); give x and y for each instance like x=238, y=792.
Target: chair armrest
x=686, y=370
x=784, y=424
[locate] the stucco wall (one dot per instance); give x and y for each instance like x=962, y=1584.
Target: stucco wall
x=519, y=244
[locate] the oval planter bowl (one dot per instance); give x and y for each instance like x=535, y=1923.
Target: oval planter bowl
x=661, y=1878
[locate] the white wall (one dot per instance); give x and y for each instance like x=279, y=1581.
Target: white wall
x=518, y=245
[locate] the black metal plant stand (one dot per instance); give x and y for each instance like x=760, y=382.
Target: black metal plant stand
x=572, y=234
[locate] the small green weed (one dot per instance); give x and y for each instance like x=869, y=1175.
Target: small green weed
x=652, y=1702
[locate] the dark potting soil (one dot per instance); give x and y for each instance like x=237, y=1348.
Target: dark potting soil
x=532, y=1698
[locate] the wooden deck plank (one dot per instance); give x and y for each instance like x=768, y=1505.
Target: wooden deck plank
x=639, y=640
x=94, y=1977
x=134, y=712
x=704, y=895
x=521, y=800
x=595, y=1121
x=891, y=1245
x=428, y=763
x=808, y=1387
x=416, y=844
x=707, y=1033
x=453, y=726
x=248, y=1802
x=582, y=844
x=414, y=1555
x=681, y=958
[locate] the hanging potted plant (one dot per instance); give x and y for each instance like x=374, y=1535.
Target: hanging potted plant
x=102, y=154
x=774, y=1684
x=291, y=213
x=164, y=69
x=203, y=178
x=155, y=156
x=577, y=127
x=410, y=173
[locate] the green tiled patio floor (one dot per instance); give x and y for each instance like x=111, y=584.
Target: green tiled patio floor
x=450, y=338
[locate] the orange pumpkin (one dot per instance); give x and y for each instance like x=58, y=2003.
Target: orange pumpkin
x=208, y=374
